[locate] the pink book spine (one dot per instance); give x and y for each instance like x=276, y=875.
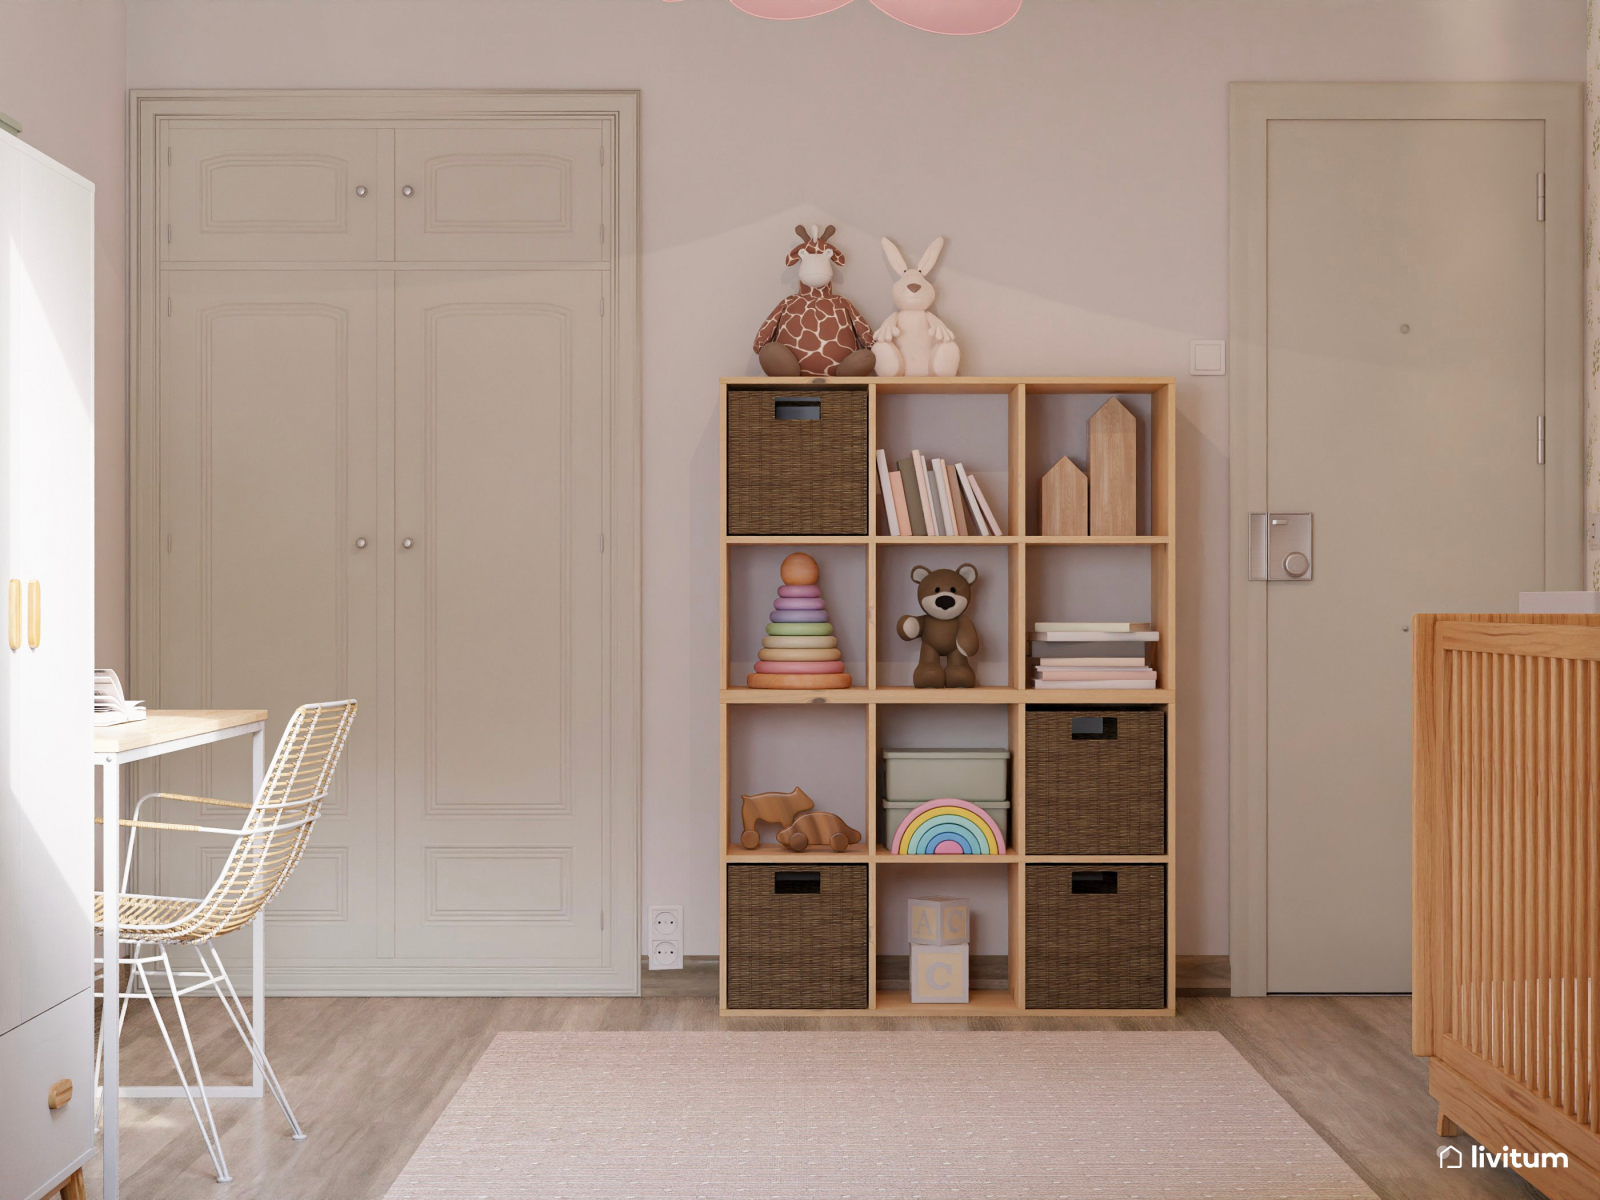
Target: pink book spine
x=898, y=486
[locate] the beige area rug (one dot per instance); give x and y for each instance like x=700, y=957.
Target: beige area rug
x=870, y=1116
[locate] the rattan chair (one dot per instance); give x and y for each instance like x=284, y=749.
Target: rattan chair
x=276, y=828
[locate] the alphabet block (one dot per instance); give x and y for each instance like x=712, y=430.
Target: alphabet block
x=939, y=974
x=939, y=921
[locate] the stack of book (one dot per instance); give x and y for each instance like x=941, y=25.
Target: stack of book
x=1055, y=665
x=930, y=497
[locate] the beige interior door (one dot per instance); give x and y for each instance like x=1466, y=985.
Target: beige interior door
x=269, y=455
x=1406, y=350
x=533, y=192
x=274, y=191
x=500, y=618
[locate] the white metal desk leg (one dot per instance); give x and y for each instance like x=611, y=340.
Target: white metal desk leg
x=111, y=985
x=258, y=927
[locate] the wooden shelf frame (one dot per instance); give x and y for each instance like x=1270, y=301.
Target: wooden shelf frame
x=1161, y=543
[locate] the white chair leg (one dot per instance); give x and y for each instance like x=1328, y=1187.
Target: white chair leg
x=241, y=1022
x=212, y=1138
x=121, y=1009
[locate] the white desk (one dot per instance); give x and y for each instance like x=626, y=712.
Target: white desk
x=165, y=732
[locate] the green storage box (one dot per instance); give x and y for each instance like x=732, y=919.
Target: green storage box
x=946, y=774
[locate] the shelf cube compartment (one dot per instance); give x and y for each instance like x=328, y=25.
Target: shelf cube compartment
x=797, y=461
x=1058, y=426
x=797, y=935
x=940, y=751
x=753, y=582
x=966, y=429
x=987, y=891
x=1094, y=583
x=820, y=749
x=1096, y=935
x=988, y=608
x=1096, y=779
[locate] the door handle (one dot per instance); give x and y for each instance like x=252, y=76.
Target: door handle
x=33, y=614
x=1280, y=547
x=14, y=613
x=406, y=544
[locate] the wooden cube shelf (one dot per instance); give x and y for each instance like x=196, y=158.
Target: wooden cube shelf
x=1027, y=401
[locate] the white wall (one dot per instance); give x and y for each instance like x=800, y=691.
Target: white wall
x=61, y=78
x=1076, y=161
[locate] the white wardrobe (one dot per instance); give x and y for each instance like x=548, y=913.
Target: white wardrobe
x=385, y=446
x=46, y=670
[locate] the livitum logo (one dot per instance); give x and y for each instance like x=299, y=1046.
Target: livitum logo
x=1450, y=1157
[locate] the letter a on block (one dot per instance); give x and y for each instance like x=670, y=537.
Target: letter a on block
x=922, y=928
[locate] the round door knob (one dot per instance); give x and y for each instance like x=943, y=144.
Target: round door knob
x=1296, y=564
x=406, y=191
x=361, y=543
x=406, y=545
x=361, y=191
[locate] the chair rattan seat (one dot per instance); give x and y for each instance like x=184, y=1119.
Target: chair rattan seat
x=141, y=917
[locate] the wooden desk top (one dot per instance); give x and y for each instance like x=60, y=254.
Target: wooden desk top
x=171, y=725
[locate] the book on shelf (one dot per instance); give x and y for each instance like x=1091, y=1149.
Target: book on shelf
x=1127, y=673
x=979, y=525
x=890, y=517
x=941, y=489
x=1092, y=626
x=1095, y=684
x=111, y=707
x=931, y=497
x=950, y=488
x=1149, y=635
x=929, y=521
x=902, y=516
x=983, y=502
x=1106, y=662
x=908, y=483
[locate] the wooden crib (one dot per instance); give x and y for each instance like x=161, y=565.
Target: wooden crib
x=1506, y=886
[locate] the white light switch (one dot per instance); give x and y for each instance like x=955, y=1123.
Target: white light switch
x=1208, y=358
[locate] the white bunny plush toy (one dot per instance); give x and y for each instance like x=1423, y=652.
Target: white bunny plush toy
x=913, y=341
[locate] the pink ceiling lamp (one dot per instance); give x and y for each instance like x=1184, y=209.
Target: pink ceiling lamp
x=933, y=16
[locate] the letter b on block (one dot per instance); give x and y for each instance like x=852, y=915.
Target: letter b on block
x=938, y=922
x=939, y=974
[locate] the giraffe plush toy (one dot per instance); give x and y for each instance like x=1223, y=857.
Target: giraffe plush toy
x=814, y=332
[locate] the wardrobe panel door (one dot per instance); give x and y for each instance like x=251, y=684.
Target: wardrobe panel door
x=268, y=442
x=529, y=192
x=500, y=612
x=52, y=370
x=266, y=191
x=14, y=906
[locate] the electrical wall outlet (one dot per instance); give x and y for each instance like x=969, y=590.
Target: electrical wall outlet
x=664, y=929
x=1594, y=531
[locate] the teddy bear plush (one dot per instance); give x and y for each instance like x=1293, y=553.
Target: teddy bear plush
x=945, y=626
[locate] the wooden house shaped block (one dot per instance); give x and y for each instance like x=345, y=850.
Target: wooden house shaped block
x=1064, y=501
x=1113, y=471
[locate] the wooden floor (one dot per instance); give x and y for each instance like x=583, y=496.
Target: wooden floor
x=368, y=1077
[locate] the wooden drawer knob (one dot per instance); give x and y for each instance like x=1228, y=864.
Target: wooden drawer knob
x=60, y=1093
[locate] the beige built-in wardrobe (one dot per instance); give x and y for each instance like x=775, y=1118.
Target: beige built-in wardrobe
x=385, y=445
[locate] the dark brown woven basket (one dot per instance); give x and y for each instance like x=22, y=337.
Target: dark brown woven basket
x=797, y=462
x=1091, y=947
x=797, y=935
x=1097, y=780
